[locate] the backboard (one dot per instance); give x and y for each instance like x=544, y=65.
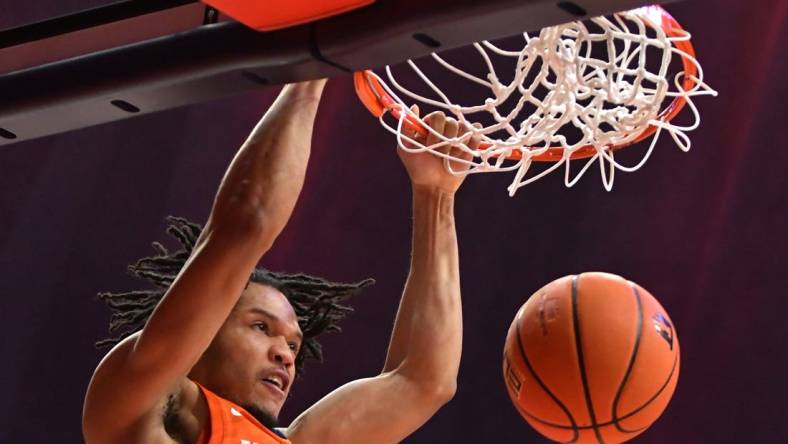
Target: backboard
x=131, y=58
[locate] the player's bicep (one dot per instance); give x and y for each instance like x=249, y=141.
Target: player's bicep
x=383, y=409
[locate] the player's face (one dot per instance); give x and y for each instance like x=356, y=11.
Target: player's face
x=252, y=359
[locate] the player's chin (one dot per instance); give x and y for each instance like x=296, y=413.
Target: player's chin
x=264, y=413
x=270, y=399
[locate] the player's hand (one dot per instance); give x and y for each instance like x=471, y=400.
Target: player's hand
x=429, y=170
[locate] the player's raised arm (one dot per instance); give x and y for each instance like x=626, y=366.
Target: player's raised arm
x=423, y=359
x=252, y=206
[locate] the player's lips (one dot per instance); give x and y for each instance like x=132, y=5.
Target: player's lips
x=277, y=378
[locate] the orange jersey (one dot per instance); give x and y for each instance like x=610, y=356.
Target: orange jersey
x=231, y=424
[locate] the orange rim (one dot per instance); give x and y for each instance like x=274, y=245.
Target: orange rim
x=378, y=101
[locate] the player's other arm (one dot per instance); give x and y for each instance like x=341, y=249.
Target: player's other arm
x=421, y=367
x=253, y=203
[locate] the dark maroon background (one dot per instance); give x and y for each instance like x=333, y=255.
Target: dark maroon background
x=704, y=231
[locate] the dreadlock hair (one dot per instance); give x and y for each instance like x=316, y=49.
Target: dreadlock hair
x=317, y=302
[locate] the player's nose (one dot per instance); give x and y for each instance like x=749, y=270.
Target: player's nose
x=281, y=353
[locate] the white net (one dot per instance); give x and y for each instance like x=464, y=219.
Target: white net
x=563, y=96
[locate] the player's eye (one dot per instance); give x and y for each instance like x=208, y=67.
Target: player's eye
x=262, y=326
x=293, y=346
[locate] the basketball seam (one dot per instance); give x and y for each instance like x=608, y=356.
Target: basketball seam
x=600, y=425
x=541, y=383
x=581, y=362
x=615, y=418
x=630, y=366
x=605, y=424
x=659, y=392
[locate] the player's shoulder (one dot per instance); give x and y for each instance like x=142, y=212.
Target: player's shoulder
x=117, y=354
x=105, y=380
x=103, y=412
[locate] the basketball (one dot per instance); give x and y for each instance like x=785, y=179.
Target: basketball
x=591, y=358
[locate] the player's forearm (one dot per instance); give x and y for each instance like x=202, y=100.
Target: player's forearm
x=427, y=339
x=259, y=190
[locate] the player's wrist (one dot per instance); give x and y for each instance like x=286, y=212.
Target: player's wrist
x=431, y=191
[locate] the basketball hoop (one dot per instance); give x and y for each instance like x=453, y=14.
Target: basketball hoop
x=558, y=86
